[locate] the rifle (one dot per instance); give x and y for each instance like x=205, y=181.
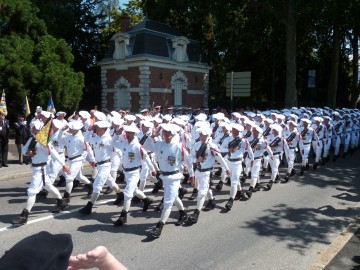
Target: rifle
x=223, y=138
x=143, y=139
x=200, y=153
x=248, y=134
x=347, y=123
x=214, y=130
x=319, y=127
x=275, y=142
x=254, y=142
x=291, y=137
x=303, y=133
x=32, y=145
x=266, y=132
x=337, y=125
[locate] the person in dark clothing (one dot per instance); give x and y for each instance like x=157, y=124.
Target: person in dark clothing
x=22, y=134
x=4, y=140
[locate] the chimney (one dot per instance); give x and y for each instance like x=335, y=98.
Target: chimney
x=124, y=23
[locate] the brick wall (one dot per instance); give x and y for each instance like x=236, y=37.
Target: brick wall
x=161, y=78
x=163, y=99
x=132, y=75
x=110, y=101
x=135, y=98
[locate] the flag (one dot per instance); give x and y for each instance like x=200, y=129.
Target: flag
x=44, y=135
x=3, y=108
x=26, y=107
x=51, y=106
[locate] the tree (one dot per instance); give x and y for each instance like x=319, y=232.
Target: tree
x=33, y=62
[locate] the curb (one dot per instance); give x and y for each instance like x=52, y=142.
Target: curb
x=333, y=249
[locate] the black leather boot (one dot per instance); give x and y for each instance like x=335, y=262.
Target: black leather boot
x=156, y=232
x=193, y=194
x=61, y=181
x=183, y=217
x=220, y=185
x=229, y=204
x=90, y=188
x=66, y=197
x=316, y=164
x=122, y=219
x=120, y=198
x=270, y=184
x=22, y=219
x=157, y=186
x=195, y=216
x=61, y=204
x=86, y=209
x=182, y=192
x=147, y=201
x=249, y=192
x=210, y=205
x=160, y=206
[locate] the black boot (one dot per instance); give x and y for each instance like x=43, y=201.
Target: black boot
x=43, y=193
x=195, y=216
x=277, y=178
x=218, y=172
x=293, y=172
x=186, y=178
x=307, y=166
x=183, y=217
x=108, y=190
x=263, y=172
x=61, y=204
x=302, y=170
x=229, y=204
x=220, y=185
x=61, y=181
x=210, y=205
x=160, y=206
x=239, y=195
x=287, y=177
x=228, y=181
x=257, y=187
x=136, y=199
x=22, y=219
x=249, y=192
x=122, y=219
x=182, y=192
x=86, y=209
x=156, y=232
x=90, y=188
x=147, y=201
x=193, y=194
x=157, y=186
x=270, y=184
x=76, y=183
x=323, y=163
x=316, y=164
x=242, y=179
x=66, y=197
x=121, y=177
x=120, y=198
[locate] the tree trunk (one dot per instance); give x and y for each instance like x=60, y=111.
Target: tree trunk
x=291, y=99
x=355, y=89
x=334, y=74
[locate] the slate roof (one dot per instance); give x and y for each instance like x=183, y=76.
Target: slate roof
x=153, y=39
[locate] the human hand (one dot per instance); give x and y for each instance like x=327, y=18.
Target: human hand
x=99, y=258
x=66, y=169
x=92, y=164
x=153, y=173
x=228, y=172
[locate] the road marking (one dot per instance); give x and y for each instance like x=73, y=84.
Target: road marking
x=333, y=249
x=61, y=213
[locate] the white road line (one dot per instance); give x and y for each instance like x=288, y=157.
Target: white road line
x=61, y=213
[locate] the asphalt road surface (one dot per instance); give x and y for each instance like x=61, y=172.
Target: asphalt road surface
x=285, y=228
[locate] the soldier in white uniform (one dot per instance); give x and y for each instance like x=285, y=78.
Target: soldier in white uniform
x=77, y=149
x=40, y=156
x=223, y=148
x=103, y=149
x=133, y=154
x=237, y=146
x=338, y=131
x=171, y=155
x=327, y=138
x=320, y=131
x=307, y=135
x=204, y=154
x=347, y=133
x=292, y=137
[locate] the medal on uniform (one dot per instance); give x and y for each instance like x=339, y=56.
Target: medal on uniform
x=171, y=160
x=131, y=156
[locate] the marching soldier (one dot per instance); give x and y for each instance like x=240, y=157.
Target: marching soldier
x=308, y=135
x=292, y=137
x=40, y=155
x=171, y=155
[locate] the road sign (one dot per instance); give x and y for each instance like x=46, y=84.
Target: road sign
x=238, y=84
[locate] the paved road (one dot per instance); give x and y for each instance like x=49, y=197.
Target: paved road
x=285, y=228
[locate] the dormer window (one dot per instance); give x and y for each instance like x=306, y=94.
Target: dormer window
x=180, y=49
x=121, y=46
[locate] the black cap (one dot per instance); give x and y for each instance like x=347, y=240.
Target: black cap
x=39, y=252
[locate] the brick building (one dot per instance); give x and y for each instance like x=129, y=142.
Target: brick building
x=152, y=62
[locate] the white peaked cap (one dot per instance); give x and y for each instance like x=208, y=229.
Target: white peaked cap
x=75, y=125
x=131, y=128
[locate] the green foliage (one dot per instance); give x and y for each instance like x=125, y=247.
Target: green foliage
x=33, y=62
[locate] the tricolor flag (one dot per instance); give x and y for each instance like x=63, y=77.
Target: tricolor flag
x=3, y=108
x=26, y=107
x=44, y=135
x=50, y=106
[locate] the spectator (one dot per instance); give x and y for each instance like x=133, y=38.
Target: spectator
x=22, y=134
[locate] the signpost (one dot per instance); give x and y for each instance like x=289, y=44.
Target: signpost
x=238, y=84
